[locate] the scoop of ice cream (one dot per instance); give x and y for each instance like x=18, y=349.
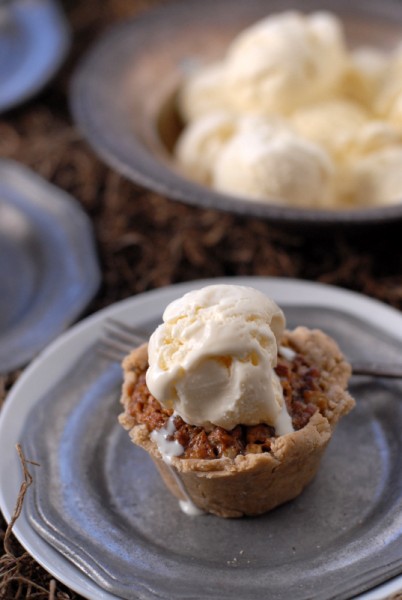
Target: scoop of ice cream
x=284, y=61
x=364, y=74
x=331, y=124
x=270, y=163
x=280, y=62
x=388, y=101
x=202, y=92
x=213, y=359
x=338, y=111
x=201, y=142
x=367, y=168
x=374, y=136
x=378, y=177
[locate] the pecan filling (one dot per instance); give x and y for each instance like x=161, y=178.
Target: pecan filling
x=303, y=396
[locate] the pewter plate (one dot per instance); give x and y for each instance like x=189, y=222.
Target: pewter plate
x=34, y=40
x=48, y=266
x=123, y=93
x=100, y=519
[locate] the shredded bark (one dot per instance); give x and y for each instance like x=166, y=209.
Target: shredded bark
x=20, y=576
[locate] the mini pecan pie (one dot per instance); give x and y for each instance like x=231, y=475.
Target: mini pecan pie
x=248, y=470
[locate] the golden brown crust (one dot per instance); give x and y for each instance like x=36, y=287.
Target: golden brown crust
x=252, y=484
x=323, y=352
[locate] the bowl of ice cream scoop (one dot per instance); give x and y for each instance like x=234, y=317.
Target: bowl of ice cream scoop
x=291, y=113
x=235, y=410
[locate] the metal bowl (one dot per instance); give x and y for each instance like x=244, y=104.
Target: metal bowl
x=123, y=93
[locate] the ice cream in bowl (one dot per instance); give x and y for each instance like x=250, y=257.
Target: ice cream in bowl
x=289, y=112
x=235, y=410
x=285, y=115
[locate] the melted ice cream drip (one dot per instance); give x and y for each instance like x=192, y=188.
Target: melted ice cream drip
x=287, y=353
x=190, y=509
x=168, y=449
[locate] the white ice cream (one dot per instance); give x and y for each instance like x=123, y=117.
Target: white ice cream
x=373, y=137
x=274, y=164
x=364, y=74
x=202, y=92
x=201, y=142
x=378, y=177
x=370, y=172
x=388, y=101
x=331, y=124
x=284, y=61
x=212, y=360
x=338, y=113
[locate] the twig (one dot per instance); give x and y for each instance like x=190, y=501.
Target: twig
x=28, y=479
x=10, y=564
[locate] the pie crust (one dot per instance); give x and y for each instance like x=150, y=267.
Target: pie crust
x=253, y=484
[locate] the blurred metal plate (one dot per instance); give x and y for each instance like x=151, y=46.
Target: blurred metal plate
x=48, y=265
x=99, y=501
x=34, y=40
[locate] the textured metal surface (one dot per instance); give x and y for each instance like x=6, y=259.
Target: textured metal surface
x=48, y=266
x=34, y=39
x=99, y=500
x=122, y=93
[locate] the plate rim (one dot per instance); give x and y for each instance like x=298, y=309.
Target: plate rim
x=166, y=181
x=308, y=293
x=52, y=11
x=36, y=193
